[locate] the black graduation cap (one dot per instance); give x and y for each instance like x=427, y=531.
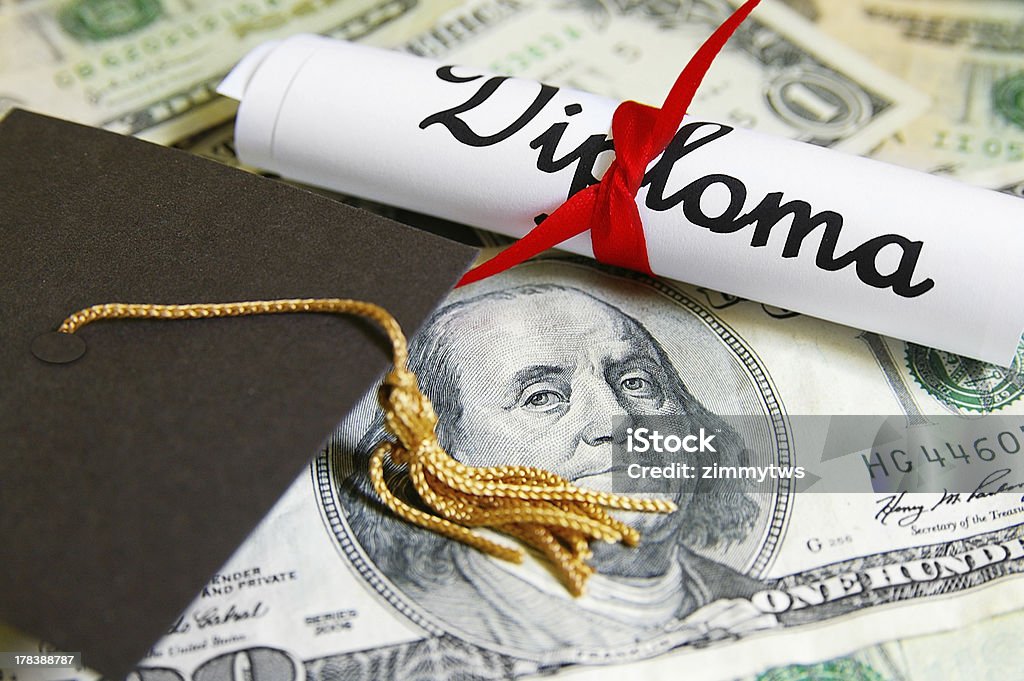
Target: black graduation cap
x=129, y=476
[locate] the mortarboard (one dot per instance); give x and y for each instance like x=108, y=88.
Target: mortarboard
x=129, y=475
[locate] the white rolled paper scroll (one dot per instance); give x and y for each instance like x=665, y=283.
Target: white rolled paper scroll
x=811, y=230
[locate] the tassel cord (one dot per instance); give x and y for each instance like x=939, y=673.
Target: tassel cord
x=537, y=507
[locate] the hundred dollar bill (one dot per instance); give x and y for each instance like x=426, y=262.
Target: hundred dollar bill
x=778, y=73
x=534, y=366
x=968, y=56
x=149, y=67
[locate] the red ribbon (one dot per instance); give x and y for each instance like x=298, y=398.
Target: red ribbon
x=608, y=209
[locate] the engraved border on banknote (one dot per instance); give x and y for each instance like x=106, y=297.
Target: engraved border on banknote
x=888, y=596
x=323, y=480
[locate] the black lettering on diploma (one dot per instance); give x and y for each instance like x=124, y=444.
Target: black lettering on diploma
x=584, y=156
x=461, y=131
x=771, y=211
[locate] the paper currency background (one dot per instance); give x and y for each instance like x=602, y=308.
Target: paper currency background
x=311, y=596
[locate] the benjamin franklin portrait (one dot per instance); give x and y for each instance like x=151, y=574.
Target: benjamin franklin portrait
x=540, y=374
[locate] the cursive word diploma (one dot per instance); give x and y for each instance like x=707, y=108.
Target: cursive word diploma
x=785, y=223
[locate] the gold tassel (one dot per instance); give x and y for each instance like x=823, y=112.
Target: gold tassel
x=530, y=504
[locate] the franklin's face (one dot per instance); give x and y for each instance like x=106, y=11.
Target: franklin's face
x=543, y=379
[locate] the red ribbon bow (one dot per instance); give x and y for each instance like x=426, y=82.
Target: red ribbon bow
x=608, y=209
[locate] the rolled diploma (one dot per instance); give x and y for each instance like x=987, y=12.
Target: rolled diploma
x=355, y=119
